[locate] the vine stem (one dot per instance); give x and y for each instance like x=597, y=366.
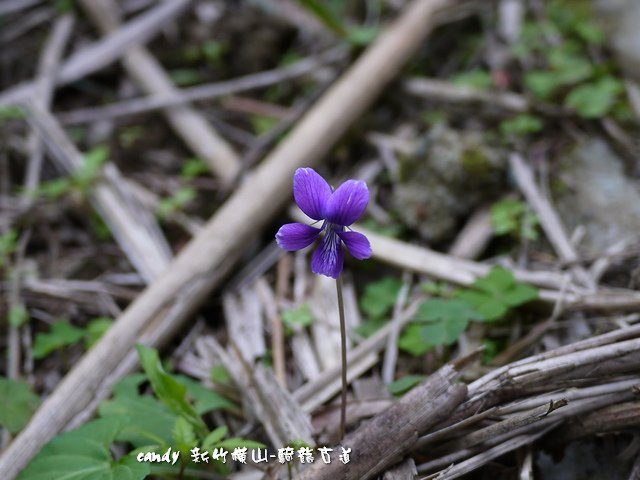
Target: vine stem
x=343, y=338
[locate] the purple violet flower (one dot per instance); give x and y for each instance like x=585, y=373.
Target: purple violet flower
x=337, y=210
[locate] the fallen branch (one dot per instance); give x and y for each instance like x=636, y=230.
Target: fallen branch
x=386, y=439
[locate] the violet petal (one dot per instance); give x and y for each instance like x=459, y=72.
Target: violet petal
x=311, y=192
x=296, y=236
x=347, y=203
x=357, y=244
x=328, y=258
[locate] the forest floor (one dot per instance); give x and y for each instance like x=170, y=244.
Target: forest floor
x=146, y=157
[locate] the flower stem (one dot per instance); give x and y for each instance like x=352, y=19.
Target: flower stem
x=343, y=338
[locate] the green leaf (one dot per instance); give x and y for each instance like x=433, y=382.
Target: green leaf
x=444, y=332
x=84, y=454
x=362, y=36
x=380, y=296
x=542, y=83
x=205, y=400
x=215, y=437
x=513, y=217
x=496, y=281
x=494, y=294
x=213, y=51
x=478, y=79
x=519, y=294
x=437, y=309
x=184, y=436
x=8, y=245
x=146, y=421
x=184, y=77
x=18, y=316
x=404, y=384
x=595, y=99
x=55, y=188
x=325, y=15
x=96, y=328
x=169, y=390
x=411, y=340
x=369, y=327
x=263, y=124
x=94, y=159
x=522, y=124
x=62, y=334
x=17, y=404
x=490, y=307
x=11, y=112
x=194, y=167
x=220, y=375
x=297, y=318
x=177, y=202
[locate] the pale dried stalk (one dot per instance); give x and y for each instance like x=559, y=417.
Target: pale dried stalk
x=549, y=218
x=147, y=72
x=203, y=263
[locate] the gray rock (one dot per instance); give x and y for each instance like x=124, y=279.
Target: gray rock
x=599, y=196
x=621, y=19
x=445, y=180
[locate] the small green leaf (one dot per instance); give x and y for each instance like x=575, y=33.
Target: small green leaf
x=522, y=124
x=8, y=245
x=297, y=318
x=96, y=328
x=411, y=340
x=17, y=404
x=325, y=15
x=445, y=332
x=18, y=316
x=262, y=124
x=54, y=189
x=185, y=77
x=62, y=334
x=369, y=327
x=177, y=202
x=595, y=99
x=485, y=303
x=494, y=294
x=184, y=436
x=362, y=36
x=437, y=309
x=94, y=159
x=220, y=375
x=519, y=294
x=194, y=167
x=205, y=400
x=213, y=51
x=404, y=384
x=169, y=390
x=496, y=281
x=11, y=112
x=380, y=296
x=215, y=437
x=478, y=79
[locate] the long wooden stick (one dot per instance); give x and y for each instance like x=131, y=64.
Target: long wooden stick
x=203, y=263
